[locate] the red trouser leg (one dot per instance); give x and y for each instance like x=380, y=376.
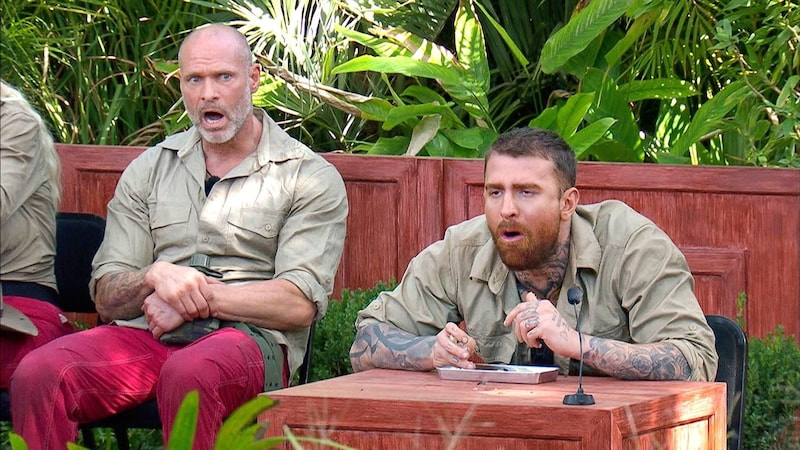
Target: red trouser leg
x=50, y=322
x=225, y=367
x=82, y=377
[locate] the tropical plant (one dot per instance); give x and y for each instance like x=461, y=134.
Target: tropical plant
x=628, y=41
x=93, y=67
x=773, y=388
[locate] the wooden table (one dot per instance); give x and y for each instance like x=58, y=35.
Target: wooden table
x=387, y=409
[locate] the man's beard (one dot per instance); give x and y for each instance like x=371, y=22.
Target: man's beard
x=532, y=251
x=236, y=118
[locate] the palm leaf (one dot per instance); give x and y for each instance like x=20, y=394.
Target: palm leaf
x=581, y=30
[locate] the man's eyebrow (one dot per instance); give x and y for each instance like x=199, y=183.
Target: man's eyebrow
x=532, y=185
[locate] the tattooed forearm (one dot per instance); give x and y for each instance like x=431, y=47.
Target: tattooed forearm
x=119, y=295
x=657, y=361
x=380, y=345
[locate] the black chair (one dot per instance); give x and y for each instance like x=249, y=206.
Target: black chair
x=731, y=344
x=78, y=236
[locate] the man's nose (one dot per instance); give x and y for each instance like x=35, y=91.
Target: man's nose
x=208, y=90
x=509, y=207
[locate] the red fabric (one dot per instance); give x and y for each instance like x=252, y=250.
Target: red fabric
x=95, y=373
x=50, y=322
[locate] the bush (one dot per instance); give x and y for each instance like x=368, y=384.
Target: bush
x=773, y=392
x=336, y=331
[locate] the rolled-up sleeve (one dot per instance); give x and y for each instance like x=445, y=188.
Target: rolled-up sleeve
x=311, y=240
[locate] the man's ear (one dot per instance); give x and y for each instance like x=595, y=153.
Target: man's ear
x=569, y=201
x=255, y=77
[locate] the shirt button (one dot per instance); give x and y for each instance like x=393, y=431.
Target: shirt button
x=268, y=227
x=205, y=238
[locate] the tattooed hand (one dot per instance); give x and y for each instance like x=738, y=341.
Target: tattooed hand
x=536, y=320
x=453, y=347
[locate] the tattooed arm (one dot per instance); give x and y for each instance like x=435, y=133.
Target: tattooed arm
x=536, y=320
x=656, y=361
x=380, y=345
x=120, y=295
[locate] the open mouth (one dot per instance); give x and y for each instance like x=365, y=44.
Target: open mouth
x=511, y=235
x=213, y=117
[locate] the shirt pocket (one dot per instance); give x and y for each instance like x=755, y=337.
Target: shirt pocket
x=169, y=222
x=257, y=221
x=254, y=233
x=496, y=342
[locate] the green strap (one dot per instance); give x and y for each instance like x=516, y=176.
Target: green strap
x=271, y=352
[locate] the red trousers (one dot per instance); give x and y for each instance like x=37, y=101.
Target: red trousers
x=98, y=372
x=50, y=322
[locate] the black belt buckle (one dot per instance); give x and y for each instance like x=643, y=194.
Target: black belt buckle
x=202, y=263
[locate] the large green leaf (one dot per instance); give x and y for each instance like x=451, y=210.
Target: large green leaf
x=183, y=429
x=589, y=136
x=546, y=119
x=387, y=146
x=412, y=113
x=573, y=113
x=471, y=48
x=240, y=428
x=660, y=88
x=398, y=64
x=581, y=30
x=610, y=103
x=708, y=116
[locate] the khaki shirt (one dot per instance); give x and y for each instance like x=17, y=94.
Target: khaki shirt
x=637, y=287
x=280, y=213
x=27, y=212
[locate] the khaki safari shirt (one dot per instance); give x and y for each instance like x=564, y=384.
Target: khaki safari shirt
x=27, y=212
x=280, y=213
x=637, y=287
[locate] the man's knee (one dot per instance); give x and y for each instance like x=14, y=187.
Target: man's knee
x=39, y=367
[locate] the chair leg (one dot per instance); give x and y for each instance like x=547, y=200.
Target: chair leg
x=88, y=438
x=121, y=433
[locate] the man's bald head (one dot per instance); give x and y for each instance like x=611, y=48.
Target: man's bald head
x=216, y=32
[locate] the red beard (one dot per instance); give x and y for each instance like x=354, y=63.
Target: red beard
x=531, y=251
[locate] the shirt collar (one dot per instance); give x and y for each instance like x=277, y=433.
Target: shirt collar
x=279, y=146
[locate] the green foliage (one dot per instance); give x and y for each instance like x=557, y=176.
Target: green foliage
x=452, y=120
x=773, y=388
x=759, y=43
x=745, y=107
x=336, y=331
x=92, y=67
x=773, y=392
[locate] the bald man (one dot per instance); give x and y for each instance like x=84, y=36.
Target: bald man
x=221, y=247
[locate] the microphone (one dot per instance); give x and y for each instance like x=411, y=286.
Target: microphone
x=574, y=295
x=210, y=182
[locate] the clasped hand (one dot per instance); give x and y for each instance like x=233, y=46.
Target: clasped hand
x=179, y=294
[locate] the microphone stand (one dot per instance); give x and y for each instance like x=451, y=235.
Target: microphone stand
x=579, y=398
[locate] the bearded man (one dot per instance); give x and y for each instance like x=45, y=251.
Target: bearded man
x=495, y=288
